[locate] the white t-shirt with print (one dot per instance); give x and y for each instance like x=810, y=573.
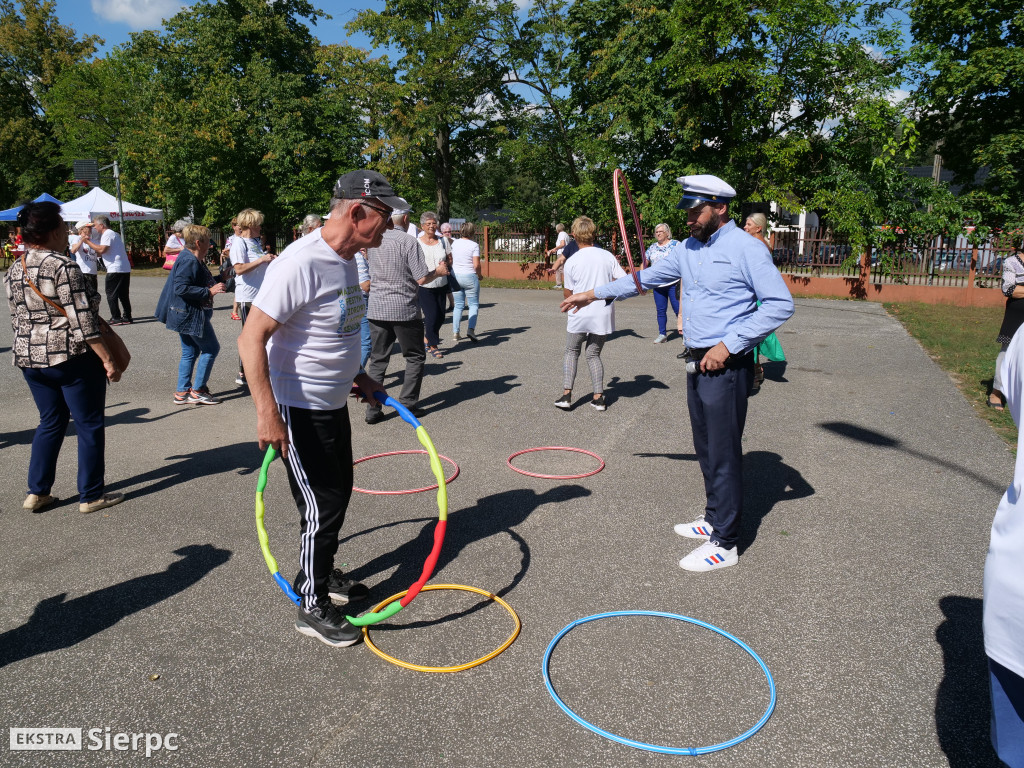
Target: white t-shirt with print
x=588, y=268
x=85, y=256
x=243, y=251
x=315, y=354
x=115, y=258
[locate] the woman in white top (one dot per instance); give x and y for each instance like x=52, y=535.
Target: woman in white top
x=434, y=294
x=85, y=256
x=588, y=268
x=175, y=244
x=250, y=264
x=466, y=266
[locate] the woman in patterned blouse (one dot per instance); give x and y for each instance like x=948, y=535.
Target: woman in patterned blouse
x=57, y=345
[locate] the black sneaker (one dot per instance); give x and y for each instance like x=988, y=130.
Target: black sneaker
x=375, y=417
x=345, y=590
x=327, y=624
x=418, y=412
x=598, y=403
x=564, y=402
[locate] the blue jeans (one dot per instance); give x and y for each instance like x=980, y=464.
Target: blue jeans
x=1007, y=690
x=470, y=285
x=204, y=347
x=364, y=337
x=663, y=295
x=77, y=387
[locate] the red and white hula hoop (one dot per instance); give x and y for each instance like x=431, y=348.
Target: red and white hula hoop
x=555, y=477
x=414, y=490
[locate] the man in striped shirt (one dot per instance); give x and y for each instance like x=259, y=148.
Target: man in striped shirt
x=397, y=269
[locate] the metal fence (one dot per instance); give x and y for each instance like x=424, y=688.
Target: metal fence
x=922, y=260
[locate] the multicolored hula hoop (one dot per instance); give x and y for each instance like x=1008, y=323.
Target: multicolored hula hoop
x=439, y=530
x=616, y=177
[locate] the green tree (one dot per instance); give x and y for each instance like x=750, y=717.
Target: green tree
x=970, y=97
x=35, y=48
x=447, y=87
x=751, y=94
x=235, y=104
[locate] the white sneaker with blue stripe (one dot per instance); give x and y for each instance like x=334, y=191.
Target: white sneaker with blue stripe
x=698, y=529
x=709, y=557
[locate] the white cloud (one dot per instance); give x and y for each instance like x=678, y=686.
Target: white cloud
x=137, y=14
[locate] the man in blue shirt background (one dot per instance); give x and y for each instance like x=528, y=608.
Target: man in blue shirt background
x=724, y=273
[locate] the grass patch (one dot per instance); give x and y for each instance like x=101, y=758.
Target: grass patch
x=537, y=285
x=962, y=340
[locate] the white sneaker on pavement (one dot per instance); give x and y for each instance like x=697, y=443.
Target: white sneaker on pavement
x=698, y=529
x=709, y=557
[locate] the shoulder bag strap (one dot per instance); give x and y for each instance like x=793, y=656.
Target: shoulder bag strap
x=24, y=274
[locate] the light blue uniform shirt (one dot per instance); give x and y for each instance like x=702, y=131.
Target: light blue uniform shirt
x=722, y=281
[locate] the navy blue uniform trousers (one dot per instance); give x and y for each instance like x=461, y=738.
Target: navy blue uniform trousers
x=718, y=410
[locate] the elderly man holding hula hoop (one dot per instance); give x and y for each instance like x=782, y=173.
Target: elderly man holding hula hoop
x=724, y=273
x=300, y=347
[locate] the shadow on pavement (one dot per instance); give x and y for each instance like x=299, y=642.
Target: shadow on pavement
x=497, y=336
x=468, y=390
x=775, y=371
x=673, y=456
x=871, y=437
x=623, y=332
x=766, y=482
x=639, y=386
x=56, y=624
x=494, y=514
x=962, y=705
x=245, y=458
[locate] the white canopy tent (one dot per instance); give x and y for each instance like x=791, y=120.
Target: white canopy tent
x=96, y=202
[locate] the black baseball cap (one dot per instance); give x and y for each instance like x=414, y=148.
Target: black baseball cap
x=358, y=184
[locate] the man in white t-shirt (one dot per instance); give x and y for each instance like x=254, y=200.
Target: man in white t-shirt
x=119, y=270
x=301, y=348
x=85, y=256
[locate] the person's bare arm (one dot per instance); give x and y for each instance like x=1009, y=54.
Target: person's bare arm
x=100, y=249
x=557, y=265
x=252, y=348
x=247, y=266
x=439, y=271
x=96, y=345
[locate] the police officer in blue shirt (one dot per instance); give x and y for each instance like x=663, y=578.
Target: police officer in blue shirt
x=724, y=273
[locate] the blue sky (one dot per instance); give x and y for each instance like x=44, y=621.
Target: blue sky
x=115, y=20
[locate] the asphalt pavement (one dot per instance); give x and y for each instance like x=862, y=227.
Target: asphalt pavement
x=870, y=486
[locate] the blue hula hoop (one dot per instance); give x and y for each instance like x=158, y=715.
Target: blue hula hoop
x=654, y=747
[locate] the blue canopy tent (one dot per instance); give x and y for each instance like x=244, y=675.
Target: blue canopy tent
x=11, y=214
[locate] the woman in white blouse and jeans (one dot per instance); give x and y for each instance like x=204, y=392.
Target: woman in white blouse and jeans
x=433, y=295
x=466, y=266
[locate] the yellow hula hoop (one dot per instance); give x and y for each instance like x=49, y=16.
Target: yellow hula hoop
x=460, y=667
